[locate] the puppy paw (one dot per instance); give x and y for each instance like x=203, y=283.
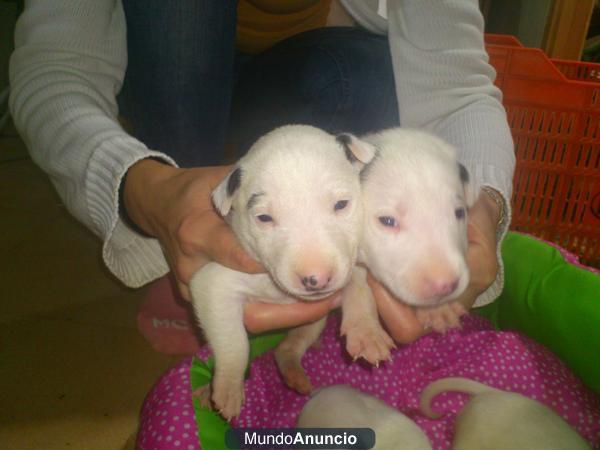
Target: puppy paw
x=368, y=341
x=292, y=372
x=228, y=397
x=441, y=318
x=203, y=396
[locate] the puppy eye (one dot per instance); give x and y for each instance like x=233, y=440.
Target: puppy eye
x=460, y=213
x=340, y=205
x=388, y=221
x=265, y=218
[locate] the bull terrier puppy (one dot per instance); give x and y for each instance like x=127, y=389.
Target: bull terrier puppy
x=294, y=204
x=344, y=407
x=495, y=419
x=491, y=419
x=416, y=195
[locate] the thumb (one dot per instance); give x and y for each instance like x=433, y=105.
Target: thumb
x=400, y=319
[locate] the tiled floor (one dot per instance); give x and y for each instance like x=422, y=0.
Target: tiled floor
x=73, y=368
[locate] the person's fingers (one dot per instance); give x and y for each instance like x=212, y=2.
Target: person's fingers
x=260, y=317
x=216, y=174
x=482, y=263
x=209, y=235
x=481, y=255
x=184, y=290
x=223, y=246
x=174, y=261
x=473, y=234
x=399, y=318
x=179, y=274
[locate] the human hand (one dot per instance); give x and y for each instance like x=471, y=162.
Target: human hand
x=260, y=317
x=402, y=320
x=174, y=205
x=442, y=317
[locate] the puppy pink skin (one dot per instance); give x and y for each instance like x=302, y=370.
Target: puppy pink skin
x=416, y=196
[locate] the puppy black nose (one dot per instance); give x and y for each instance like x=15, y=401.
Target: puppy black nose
x=310, y=281
x=314, y=279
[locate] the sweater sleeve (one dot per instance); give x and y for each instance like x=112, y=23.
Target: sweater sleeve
x=445, y=84
x=67, y=67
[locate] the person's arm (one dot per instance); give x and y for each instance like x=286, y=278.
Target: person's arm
x=66, y=70
x=68, y=65
x=445, y=85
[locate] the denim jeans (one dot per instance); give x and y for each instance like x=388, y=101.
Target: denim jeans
x=186, y=91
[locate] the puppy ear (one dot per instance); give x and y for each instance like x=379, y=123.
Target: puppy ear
x=471, y=191
x=223, y=195
x=358, y=152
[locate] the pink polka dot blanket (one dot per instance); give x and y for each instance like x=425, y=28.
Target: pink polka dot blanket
x=502, y=359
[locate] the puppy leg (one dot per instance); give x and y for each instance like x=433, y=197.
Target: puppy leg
x=289, y=352
x=365, y=337
x=441, y=317
x=219, y=310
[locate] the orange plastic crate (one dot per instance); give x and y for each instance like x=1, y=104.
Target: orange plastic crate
x=553, y=109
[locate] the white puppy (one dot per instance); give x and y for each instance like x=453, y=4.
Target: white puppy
x=344, y=407
x=416, y=195
x=294, y=203
x=495, y=419
x=491, y=419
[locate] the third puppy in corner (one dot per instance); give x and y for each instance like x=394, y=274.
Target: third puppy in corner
x=496, y=419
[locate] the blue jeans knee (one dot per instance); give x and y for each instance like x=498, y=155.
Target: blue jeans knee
x=339, y=79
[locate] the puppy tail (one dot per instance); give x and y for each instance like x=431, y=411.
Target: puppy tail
x=448, y=384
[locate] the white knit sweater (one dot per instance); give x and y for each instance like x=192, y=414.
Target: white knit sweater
x=69, y=64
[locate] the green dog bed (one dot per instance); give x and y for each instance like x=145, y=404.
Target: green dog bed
x=552, y=301
x=549, y=299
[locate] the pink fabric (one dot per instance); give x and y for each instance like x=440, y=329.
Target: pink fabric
x=165, y=320
x=504, y=360
x=569, y=257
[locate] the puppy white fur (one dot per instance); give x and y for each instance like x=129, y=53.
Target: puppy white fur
x=492, y=419
x=495, y=419
x=416, y=196
x=344, y=407
x=415, y=236
x=294, y=203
